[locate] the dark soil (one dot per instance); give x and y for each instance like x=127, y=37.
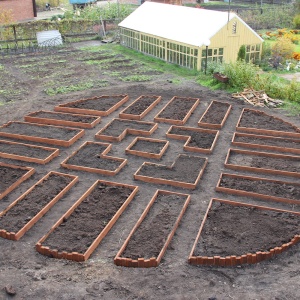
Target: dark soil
x=47, y=131
x=278, y=142
x=87, y=221
x=140, y=106
x=90, y=156
x=203, y=140
x=177, y=109
x=21, y=213
x=148, y=146
x=259, y=120
x=238, y=230
x=264, y=162
x=9, y=176
x=215, y=113
x=103, y=103
x=64, y=116
x=117, y=127
x=150, y=237
x=185, y=169
x=25, y=150
x=288, y=191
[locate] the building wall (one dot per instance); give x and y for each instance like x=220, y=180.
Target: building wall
x=231, y=42
x=21, y=9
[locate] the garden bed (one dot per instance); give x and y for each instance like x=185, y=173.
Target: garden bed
x=99, y=106
x=260, y=188
x=265, y=142
x=12, y=176
x=215, y=115
x=24, y=212
x=177, y=111
x=185, y=172
x=80, y=230
x=263, y=162
x=117, y=129
x=255, y=121
x=225, y=239
x=92, y=157
x=62, y=119
x=49, y=134
x=197, y=139
x=140, y=107
x=27, y=152
x=149, y=239
x=146, y=147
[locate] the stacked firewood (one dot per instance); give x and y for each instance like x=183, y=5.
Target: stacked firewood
x=257, y=98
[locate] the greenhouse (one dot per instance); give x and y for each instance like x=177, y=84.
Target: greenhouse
x=187, y=36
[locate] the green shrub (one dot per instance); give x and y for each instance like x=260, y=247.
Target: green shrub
x=242, y=53
x=241, y=74
x=296, y=21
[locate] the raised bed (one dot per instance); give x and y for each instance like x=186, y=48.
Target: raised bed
x=234, y=233
x=117, y=129
x=92, y=157
x=196, y=139
x=12, y=176
x=140, y=107
x=62, y=119
x=80, y=230
x=27, y=152
x=49, y=134
x=263, y=162
x=177, y=111
x=97, y=106
x=256, y=121
x=265, y=142
x=24, y=212
x=149, y=239
x=215, y=115
x=185, y=172
x=146, y=147
x=261, y=188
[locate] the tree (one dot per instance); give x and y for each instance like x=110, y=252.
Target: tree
x=282, y=50
x=242, y=53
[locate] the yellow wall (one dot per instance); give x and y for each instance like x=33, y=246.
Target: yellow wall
x=232, y=42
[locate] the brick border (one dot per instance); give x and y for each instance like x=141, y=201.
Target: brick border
x=247, y=258
x=266, y=131
x=187, y=138
x=157, y=118
x=64, y=107
x=123, y=161
x=154, y=261
x=124, y=115
x=75, y=255
x=37, y=139
x=213, y=125
x=29, y=173
x=34, y=118
x=260, y=170
x=146, y=154
x=16, y=236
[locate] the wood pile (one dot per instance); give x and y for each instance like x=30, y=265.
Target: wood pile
x=257, y=98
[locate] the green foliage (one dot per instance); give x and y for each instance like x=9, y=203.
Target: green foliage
x=242, y=53
x=106, y=12
x=296, y=21
x=241, y=74
x=136, y=78
x=279, y=16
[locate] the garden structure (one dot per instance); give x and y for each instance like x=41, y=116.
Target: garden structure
x=218, y=35
x=148, y=212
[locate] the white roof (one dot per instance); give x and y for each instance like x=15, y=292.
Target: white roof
x=188, y=25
